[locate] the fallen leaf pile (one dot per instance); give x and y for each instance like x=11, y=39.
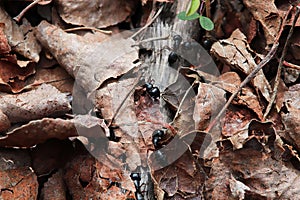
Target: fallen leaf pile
x=92, y=109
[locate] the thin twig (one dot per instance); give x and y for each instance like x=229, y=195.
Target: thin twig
x=277, y=79
x=88, y=28
x=247, y=80
x=291, y=65
x=183, y=99
x=250, y=76
x=151, y=40
x=19, y=17
x=125, y=98
x=149, y=23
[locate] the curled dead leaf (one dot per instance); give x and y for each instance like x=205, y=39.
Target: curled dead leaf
x=99, y=13
x=20, y=38
x=44, y=101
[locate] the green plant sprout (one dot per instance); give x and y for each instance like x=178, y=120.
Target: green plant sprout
x=192, y=14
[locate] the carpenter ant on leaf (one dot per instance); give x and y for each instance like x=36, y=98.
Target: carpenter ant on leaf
x=136, y=177
x=152, y=91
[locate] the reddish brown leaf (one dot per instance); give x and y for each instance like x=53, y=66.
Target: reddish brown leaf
x=39, y=131
x=4, y=46
x=237, y=53
x=4, y=122
x=20, y=38
x=44, y=101
x=183, y=177
x=87, y=178
x=12, y=77
x=54, y=188
x=230, y=82
x=291, y=117
x=267, y=14
x=99, y=14
x=18, y=184
x=94, y=63
x=266, y=177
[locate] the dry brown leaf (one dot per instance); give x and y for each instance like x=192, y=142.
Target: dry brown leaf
x=184, y=177
x=18, y=184
x=267, y=14
x=209, y=101
x=12, y=77
x=4, y=46
x=291, y=117
x=90, y=179
x=4, y=122
x=180, y=93
x=56, y=76
x=39, y=131
x=44, y=101
x=255, y=134
x=230, y=82
x=267, y=178
x=235, y=119
x=90, y=63
x=54, y=188
x=20, y=38
x=111, y=97
x=236, y=53
x=99, y=13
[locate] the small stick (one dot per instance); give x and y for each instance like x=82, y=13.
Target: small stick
x=277, y=79
x=126, y=97
x=247, y=80
x=263, y=62
x=88, y=28
x=291, y=65
x=19, y=17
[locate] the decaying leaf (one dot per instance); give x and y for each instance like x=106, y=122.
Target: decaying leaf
x=44, y=101
x=182, y=179
x=209, y=101
x=237, y=188
x=235, y=120
x=54, y=188
x=255, y=134
x=12, y=77
x=267, y=178
x=87, y=178
x=237, y=53
x=267, y=14
x=56, y=76
x=4, y=122
x=20, y=38
x=230, y=82
x=18, y=184
x=38, y=131
x=291, y=117
x=4, y=46
x=90, y=63
x=99, y=13
x=112, y=97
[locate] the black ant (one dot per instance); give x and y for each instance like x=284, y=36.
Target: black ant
x=152, y=91
x=157, y=137
x=136, y=177
x=173, y=57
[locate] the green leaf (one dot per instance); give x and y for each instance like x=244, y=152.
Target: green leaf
x=206, y=23
x=193, y=7
x=182, y=15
